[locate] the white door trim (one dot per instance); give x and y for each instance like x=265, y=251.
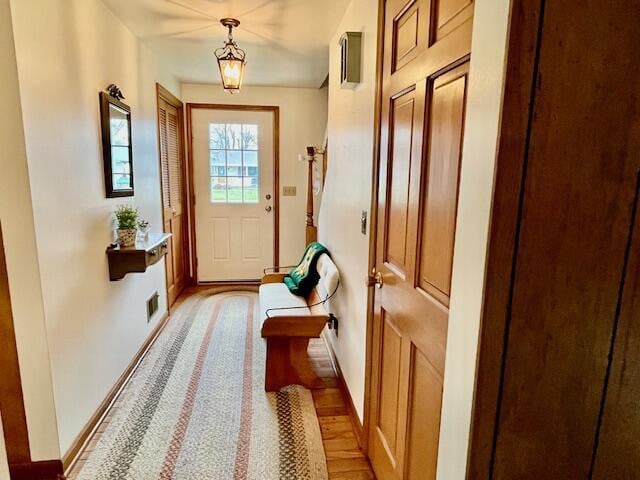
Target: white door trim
x=275, y=110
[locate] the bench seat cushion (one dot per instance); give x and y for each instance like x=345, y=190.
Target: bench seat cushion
x=277, y=295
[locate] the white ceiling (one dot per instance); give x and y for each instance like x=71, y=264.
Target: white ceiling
x=286, y=41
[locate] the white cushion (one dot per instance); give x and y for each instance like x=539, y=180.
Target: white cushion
x=329, y=276
x=278, y=295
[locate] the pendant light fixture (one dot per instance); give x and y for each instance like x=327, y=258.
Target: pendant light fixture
x=231, y=59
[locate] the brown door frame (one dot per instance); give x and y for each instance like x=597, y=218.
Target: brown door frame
x=276, y=178
x=167, y=96
x=520, y=82
x=373, y=227
x=14, y=418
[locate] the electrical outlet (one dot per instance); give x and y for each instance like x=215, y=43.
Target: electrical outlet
x=332, y=323
x=289, y=191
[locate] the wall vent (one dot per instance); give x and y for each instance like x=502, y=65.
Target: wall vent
x=350, y=46
x=152, y=306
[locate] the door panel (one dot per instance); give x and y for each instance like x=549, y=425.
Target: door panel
x=172, y=174
x=399, y=167
x=233, y=164
x=389, y=384
x=407, y=34
x=422, y=126
x=443, y=166
x=221, y=244
x=250, y=238
x=422, y=431
x=448, y=15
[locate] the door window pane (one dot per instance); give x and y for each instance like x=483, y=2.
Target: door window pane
x=218, y=163
x=250, y=189
x=218, y=190
x=217, y=136
x=233, y=163
x=249, y=137
x=234, y=189
x=234, y=136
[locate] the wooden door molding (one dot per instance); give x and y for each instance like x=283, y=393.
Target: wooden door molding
x=14, y=419
x=162, y=94
x=275, y=110
x=522, y=52
x=373, y=222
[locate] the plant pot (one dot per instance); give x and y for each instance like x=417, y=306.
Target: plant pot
x=127, y=237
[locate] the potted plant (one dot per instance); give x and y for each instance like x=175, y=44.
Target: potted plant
x=127, y=218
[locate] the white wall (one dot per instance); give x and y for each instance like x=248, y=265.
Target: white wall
x=303, y=120
x=16, y=217
x=484, y=102
x=348, y=192
x=68, y=51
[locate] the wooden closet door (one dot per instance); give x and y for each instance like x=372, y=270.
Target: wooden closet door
x=173, y=195
x=425, y=80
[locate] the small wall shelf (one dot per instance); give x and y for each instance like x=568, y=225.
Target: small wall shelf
x=123, y=260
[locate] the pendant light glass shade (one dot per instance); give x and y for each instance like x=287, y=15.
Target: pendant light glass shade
x=231, y=60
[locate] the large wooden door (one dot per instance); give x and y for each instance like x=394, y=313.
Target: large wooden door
x=425, y=80
x=172, y=168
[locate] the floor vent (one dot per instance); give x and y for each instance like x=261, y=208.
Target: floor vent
x=152, y=306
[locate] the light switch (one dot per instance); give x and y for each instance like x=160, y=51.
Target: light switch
x=289, y=191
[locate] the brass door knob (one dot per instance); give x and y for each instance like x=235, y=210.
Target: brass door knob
x=375, y=279
x=268, y=208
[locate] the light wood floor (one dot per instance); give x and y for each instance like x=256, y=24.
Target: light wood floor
x=345, y=460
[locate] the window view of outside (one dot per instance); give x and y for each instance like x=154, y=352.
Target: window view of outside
x=233, y=160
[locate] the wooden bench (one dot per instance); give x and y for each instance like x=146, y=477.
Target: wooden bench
x=289, y=321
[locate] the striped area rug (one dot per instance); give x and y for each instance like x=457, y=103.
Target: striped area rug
x=196, y=407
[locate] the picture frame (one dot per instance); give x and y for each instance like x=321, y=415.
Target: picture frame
x=117, y=149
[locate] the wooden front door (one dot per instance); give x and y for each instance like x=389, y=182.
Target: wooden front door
x=425, y=80
x=170, y=115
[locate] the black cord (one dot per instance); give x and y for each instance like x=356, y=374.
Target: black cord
x=306, y=306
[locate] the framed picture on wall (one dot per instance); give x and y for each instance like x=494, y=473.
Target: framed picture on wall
x=117, y=151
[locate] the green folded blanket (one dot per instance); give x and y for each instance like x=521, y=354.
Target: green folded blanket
x=305, y=276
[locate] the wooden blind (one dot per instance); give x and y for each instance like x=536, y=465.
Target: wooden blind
x=164, y=158
x=175, y=173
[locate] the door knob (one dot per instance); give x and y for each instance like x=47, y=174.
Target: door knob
x=268, y=196
x=375, y=279
x=268, y=208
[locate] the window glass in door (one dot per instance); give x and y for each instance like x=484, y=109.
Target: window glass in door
x=234, y=164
